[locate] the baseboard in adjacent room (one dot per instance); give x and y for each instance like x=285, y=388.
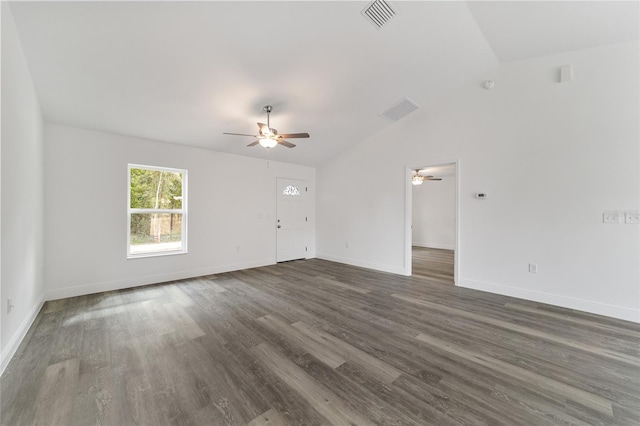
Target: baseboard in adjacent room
x=613, y=311
x=441, y=246
x=363, y=264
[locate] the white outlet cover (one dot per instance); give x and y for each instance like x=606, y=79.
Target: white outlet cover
x=632, y=217
x=611, y=216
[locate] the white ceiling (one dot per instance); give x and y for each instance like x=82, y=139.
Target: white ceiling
x=526, y=29
x=184, y=72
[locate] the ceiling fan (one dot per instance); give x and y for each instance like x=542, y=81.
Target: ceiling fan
x=417, y=178
x=269, y=137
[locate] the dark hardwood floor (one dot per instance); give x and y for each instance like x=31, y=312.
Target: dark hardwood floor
x=435, y=264
x=315, y=342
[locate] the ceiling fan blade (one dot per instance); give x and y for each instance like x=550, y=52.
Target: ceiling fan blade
x=239, y=134
x=286, y=143
x=294, y=135
x=254, y=143
x=431, y=178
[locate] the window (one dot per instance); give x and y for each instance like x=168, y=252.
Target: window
x=291, y=190
x=157, y=211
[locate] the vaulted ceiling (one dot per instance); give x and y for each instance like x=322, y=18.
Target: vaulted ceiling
x=185, y=72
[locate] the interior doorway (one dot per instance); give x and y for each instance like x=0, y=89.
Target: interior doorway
x=432, y=222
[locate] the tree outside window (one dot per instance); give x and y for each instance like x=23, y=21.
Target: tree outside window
x=157, y=211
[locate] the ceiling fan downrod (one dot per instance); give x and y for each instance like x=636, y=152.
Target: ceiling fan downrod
x=268, y=109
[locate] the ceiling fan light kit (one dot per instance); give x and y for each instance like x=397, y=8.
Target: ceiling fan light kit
x=268, y=137
x=268, y=142
x=417, y=178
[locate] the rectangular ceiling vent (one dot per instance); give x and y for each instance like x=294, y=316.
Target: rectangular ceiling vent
x=378, y=12
x=400, y=109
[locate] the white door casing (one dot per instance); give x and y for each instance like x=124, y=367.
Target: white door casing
x=291, y=220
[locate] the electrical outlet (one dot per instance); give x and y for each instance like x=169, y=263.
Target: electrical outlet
x=611, y=216
x=10, y=305
x=533, y=268
x=632, y=217
x=346, y=245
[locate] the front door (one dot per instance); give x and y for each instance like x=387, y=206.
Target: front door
x=291, y=219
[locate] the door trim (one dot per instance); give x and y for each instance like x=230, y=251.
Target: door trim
x=305, y=181
x=408, y=217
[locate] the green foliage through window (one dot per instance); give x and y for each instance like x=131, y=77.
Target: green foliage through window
x=155, y=189
x=156, y=210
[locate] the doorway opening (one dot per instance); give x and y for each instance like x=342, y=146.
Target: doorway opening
x=432, y=222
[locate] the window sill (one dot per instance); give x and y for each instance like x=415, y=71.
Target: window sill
x=156, y=254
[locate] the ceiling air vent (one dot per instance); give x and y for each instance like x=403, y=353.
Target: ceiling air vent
x=378, y=12
x=399, y=110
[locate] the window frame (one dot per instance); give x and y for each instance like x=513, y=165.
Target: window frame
x=183, y=211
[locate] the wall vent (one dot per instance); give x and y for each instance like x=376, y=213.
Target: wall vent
x=399, y=110
x=378, y=12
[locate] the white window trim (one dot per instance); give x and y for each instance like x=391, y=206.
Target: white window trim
x=182, y=211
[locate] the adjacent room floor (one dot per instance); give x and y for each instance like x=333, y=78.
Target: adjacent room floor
x=315, y=342
x=434, y=264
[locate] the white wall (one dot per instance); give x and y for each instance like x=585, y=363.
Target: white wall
x=21, y=223
x=232, y=203
x=552, y=157
x=434, y=214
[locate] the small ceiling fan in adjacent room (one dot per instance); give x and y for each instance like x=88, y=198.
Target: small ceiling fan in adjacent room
x=269, y=137
x=417, y=178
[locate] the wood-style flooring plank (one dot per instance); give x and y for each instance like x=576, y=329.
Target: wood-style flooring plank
x=321, y=351
x=382, y=371
x=269, y=418
x=435, y=265
x=54, y=402
x=321, y=398
x=95, y=399
x=553, y=386
x=313, y=342
x=23, y=378
x=633, y=361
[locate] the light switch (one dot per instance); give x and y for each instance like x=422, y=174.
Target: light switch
x=611, y=216
x=632, y=218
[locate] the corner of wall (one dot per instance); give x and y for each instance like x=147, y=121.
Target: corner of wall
x=21, y=172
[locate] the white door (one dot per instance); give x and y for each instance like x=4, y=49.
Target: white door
x=291, y=219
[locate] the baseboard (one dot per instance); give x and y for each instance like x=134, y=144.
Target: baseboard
x=362, y=264
x=613, y=311
x=435, y=245
x=18, y=336
x=100, y=287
